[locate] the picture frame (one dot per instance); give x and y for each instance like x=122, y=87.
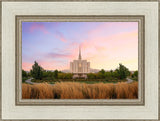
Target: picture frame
x=16, y=106
x=139, y=19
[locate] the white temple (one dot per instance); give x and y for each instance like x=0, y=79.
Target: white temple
x=80, y=67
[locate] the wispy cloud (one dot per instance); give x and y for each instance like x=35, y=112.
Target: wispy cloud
x=27, y=66
x=60, y=36
x=37, y=26
x=58, y=55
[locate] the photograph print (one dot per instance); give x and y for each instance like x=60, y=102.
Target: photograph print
x=80, y=60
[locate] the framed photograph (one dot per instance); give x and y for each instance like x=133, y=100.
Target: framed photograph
x=80, y=60
x=81, y=66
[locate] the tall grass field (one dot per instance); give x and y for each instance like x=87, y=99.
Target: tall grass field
x=75, y=90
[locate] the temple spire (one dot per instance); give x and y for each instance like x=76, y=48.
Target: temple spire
x=80, y=53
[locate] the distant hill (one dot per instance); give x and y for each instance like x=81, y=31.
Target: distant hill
x=66, y=71
x=94, y=70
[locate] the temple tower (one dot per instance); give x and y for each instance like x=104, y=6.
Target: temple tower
x=80, y=67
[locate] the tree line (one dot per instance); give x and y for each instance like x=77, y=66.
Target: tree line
x=120, y=73
x=38, y=73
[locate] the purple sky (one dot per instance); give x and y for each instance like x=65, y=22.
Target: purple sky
x=105, y=44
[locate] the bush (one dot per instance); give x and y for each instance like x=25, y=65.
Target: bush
x=37, y=71
x=135, y=76
x=24, y=79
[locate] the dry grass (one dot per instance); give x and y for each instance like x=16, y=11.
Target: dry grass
x=74, y=90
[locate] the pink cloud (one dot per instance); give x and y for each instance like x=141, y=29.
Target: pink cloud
x=37, y=26
x=26, y=66
x=59, y=55
x=47, y=65
x=60, y=36
x=53, y=64
x=109, y=27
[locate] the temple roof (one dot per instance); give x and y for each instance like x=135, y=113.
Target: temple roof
x=80, y=53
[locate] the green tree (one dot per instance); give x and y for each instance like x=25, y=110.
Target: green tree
x=56, y=74
x=115, y=74
x=61, y=76
x=135, y=75
x=29, y=74
x=60, y=72
x=102, y=71
x=111, y=71
x=24, y=73
x=122, y=71
x=37, y=71
x=91, y=76
x=68, y=76
x=100, y=74
x=51, y=76
x=45, y=74
x=108, y=76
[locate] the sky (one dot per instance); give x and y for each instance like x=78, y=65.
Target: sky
x=104, y=44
